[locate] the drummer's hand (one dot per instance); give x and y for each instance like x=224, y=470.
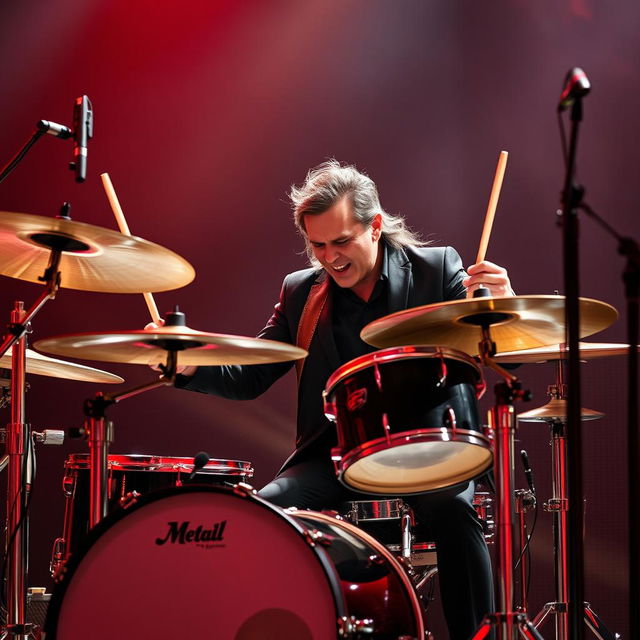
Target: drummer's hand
x=489, y=275
x=184, y=370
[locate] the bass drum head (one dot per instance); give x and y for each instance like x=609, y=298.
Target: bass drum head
x=197, y=562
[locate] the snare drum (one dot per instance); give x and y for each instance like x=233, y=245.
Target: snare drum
x=407, y=420
x=223, y=563
x=383, y=520
x=130, y=476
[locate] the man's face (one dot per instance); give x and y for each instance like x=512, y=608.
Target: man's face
x=348, y=250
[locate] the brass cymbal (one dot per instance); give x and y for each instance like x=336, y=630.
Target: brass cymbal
x=517, y=322
x=93, y=258
x=588, y=351
x=150, y=347
x=556, y=409
x=41, y=365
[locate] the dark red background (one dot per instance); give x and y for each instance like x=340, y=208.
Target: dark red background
x=206, y=112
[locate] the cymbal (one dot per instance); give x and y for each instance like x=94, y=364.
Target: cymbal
x=588, y=351
x=93, y=258
x=517, y=322
x=41, y=365
x=150, y=347
x=556, y=409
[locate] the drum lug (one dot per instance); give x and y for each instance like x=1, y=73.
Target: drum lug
x=129, y=499
x=68, y=484
x=244, y=490
x=313, y=537
x=57, y=555
x=351, y=627
x=375, y=559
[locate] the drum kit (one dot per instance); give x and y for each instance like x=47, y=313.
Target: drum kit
x=160, y=547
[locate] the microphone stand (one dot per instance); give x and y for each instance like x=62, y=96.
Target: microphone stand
x=629, y=248
x=571, y=200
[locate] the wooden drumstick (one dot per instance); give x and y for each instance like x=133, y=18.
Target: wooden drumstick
x=493, y=203
x=124, y=230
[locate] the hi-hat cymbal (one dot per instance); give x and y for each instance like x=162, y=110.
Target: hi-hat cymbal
x=150, y=347
x=517, y=322
x=556, y=409
x=93, y=258
x=41, y=365
x=588, y=351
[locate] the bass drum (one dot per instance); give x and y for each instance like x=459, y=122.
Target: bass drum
x=216, y=562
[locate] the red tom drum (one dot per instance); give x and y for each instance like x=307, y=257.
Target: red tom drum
x=407, y=420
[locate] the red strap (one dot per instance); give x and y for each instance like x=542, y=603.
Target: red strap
x=309, y=319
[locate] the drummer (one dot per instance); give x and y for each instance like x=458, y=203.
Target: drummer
x=371, y=265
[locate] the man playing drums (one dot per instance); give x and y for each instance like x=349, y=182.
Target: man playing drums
x=375, y=266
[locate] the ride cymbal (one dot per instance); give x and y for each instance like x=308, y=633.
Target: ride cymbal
x=517, y=322
x=41, y=365
x=93, y=258
x=588, y=351
x=150, y=347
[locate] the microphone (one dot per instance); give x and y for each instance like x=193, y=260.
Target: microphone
x=527, y=470
x=200, y=460
x=576, y=85
x=54, y=129
x=82, y=133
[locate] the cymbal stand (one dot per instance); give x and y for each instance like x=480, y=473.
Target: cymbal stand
x=559, y=506
x=508, y=622
x=99, y=432
x=18, y=439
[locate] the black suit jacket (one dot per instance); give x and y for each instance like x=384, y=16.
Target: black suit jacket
x=416, y=276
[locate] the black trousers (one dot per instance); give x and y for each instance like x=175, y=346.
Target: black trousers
x=464, y=566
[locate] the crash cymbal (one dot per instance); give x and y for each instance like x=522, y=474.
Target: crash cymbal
x=93, y=258
x=41, y=365
x=588, y=351
x=556, y=409
x=150, y=347
x=518, y=322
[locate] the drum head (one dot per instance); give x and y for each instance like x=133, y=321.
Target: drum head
x=196, y=562
x=432, y=459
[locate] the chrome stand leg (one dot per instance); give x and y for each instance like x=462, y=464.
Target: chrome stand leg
x=508, y=623
x=559, y=506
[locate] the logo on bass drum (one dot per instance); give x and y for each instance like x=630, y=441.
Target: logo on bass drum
x=183, y=533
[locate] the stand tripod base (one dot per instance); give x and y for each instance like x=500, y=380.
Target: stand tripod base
x=508, y=626
x=591, y=619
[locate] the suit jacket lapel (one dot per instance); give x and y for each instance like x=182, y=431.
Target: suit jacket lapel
x=400, y=279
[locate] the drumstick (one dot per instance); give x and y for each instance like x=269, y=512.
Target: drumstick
x=124, y=230
x=493, y=203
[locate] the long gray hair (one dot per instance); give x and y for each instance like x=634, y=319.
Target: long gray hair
x=327, y=184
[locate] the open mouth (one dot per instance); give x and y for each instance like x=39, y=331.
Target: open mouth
x=340, y=268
